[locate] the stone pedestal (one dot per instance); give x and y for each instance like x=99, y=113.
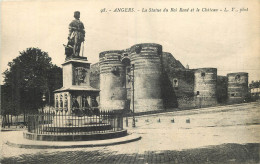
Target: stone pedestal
x=76, y=91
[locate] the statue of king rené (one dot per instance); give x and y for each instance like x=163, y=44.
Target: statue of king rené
x=76, y=36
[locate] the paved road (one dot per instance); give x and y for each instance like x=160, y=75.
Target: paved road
x=229, y=134
x=226, y=153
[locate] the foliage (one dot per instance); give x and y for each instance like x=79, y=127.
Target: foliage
x=28, y=77
x=254, y=84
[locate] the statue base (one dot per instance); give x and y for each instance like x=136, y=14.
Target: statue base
x=76, y=58
x=64, y=121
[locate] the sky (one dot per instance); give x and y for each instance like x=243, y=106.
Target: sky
x=228, y=41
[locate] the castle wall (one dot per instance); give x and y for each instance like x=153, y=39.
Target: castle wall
x=183, y=82
x=178, y=83
x=112, y=81
x=161, y=81
x=205, y=87
x=178, y=89
x=95, y=76
x=147, y=76
x=237, y=87
x=221, y=89
x=169, y=63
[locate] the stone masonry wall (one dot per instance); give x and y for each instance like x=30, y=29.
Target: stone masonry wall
x=95, y=76
x=165, y=83
x=221, y=89
x=178, y=83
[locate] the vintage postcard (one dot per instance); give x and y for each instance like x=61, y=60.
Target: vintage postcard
x=130, y=81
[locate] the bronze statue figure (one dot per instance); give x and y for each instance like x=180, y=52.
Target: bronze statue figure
x=76, y=36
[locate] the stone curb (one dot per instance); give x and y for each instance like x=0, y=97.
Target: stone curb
x=76, y=144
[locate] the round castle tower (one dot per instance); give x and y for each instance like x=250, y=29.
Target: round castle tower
x=205, y=87
x=141, y=62
x=237, y=87
x=147, y=76
x=112, y=81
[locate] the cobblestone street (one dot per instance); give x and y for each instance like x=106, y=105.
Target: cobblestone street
x=227, y=153
x=225, y=134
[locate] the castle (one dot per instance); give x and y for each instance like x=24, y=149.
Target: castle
x=160, y=81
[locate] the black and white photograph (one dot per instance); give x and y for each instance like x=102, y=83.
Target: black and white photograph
x=132, y=81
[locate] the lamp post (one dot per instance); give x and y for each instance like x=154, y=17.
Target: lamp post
x=133, y=84
x=43, y=100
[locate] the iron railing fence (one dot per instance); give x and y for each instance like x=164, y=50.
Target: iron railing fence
x=80, y=121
